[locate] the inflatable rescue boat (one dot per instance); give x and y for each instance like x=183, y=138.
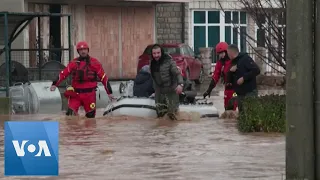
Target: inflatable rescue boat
x=145, y=107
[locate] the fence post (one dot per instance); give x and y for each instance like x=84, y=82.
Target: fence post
x=206, y=59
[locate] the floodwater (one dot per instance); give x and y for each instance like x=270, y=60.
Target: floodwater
x=127, y=148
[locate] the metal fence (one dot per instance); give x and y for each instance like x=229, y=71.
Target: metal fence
x=42, y=37
x=269, y=65
x=274, y=69
x=269, y=68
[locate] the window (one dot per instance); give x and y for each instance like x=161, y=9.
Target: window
x=199, y=38
x=199, y=17
x=281, y=28
x=281, y=18
x=212, y=27
x=243, y=39
x=265, y=25
x=236, y=29
x=261, y=38
x=206, y=32
x=270, y=33
x=213, y=36
x=213, y=17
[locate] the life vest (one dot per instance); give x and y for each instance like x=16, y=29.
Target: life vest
x=223, y=73
x=84, y=72
x=222, y=76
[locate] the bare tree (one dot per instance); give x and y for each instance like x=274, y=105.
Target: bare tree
x=269, y=17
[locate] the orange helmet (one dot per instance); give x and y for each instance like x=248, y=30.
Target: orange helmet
x=82, y=45
x=221, y=46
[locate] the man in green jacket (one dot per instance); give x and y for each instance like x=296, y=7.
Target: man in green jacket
x=167, y=82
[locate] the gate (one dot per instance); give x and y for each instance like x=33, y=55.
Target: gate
x=42, y=60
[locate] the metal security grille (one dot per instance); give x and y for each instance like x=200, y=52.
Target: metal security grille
x=38, y=59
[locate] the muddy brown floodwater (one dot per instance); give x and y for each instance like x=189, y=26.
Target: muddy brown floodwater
x=126, y=148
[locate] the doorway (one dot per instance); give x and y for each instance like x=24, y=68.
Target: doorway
x=55, y=33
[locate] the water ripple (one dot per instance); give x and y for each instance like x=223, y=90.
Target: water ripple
x=130, y=148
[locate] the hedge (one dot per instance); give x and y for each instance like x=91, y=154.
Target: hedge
x=263, y=114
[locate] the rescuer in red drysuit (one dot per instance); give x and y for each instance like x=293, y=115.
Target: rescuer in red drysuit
x=85, y=72
x=222, y=68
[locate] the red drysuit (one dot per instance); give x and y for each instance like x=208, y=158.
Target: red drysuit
x=222, y=67
x=85, y=74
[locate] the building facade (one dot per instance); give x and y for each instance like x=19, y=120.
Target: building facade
x=205, y=23
x=116, y=31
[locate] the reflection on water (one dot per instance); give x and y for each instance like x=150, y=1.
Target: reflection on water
x=128, y=148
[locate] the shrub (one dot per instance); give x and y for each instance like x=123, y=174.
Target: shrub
x=263, y=114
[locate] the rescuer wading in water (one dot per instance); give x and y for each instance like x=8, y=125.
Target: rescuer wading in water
x=221, y=69
x=86, y=71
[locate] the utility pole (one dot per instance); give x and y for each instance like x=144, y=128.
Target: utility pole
x=300, y=146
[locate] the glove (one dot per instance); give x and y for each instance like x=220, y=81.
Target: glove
x=53, y=88
x=111, y=98
x=205, y=94
x=210, y=88
x=179, y=89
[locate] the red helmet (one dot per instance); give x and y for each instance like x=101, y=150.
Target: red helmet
x=221, y=46
x=82, y=45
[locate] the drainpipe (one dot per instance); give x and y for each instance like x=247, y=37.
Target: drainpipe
x=183, y=15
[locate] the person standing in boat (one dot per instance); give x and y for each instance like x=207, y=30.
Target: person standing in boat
x=167, y=82
x=222, y=67
x=243, y=74
x=143, y=83
x=85, y=72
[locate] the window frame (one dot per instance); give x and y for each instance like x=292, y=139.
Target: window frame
x=206, y=24
x=221, y=25
x=237, y=26
x=265, y=25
